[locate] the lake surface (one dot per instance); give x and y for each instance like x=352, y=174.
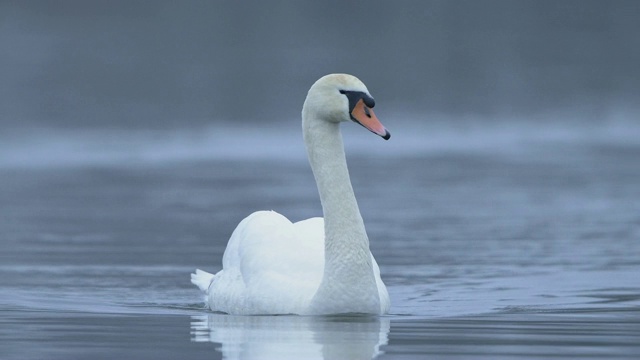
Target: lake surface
x=507, y=242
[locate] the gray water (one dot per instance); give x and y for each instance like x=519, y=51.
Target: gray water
x=504, y=212
x=506, y=241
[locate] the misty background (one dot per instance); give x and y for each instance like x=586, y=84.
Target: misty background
x=169, y=64
x=504, y=211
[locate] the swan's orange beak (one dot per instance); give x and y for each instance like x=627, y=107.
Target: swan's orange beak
x=364, y=115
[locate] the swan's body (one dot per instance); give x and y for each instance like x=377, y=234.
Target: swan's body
x=316, y=266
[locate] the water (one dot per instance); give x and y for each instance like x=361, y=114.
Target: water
x=505, y=241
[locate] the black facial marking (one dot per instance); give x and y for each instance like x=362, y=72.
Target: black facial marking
x=368, y=100
x=355, y=96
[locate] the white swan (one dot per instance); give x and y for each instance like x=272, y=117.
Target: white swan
x=315, y=266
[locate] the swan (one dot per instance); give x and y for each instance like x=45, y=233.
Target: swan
x=316, y=266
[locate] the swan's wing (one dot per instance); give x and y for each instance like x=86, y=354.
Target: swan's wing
x=385, y=302
x=272, y=246
x=270, y=264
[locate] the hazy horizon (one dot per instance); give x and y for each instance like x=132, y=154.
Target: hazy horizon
x=150, y=64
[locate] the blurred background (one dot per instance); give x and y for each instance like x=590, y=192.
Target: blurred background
x=167, y=64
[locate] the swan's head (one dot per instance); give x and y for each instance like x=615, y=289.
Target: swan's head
x=342, y=97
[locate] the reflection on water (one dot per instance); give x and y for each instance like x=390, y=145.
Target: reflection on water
x=292, y=337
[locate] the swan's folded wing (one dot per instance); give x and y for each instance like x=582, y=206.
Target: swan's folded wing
x=385, y=302
x=272, y=245
x=281, y=264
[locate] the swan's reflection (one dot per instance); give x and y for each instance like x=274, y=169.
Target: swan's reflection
x=292, y=337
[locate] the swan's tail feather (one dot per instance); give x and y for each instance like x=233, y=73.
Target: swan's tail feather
x=202, y=280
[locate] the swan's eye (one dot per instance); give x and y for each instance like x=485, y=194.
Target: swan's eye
x=355, y=96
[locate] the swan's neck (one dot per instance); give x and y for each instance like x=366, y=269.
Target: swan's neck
x=339, y=206
x=348, y=273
